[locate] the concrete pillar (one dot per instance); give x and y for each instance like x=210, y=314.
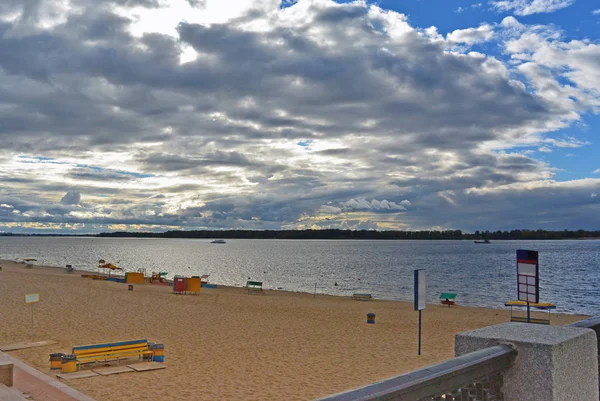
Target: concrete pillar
x=6, y=373
x=554, y=363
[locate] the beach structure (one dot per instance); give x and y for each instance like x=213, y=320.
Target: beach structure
x=134, y=278
x=193, y=284
x=179, y=285
x=254, y=287
x=515, y=306
x=108, y=266
x=160, y=277
x=448, y=298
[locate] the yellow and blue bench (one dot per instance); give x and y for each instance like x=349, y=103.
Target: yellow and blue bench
x=545, y=306
x=254, y=287
x=362, y=297
x=111, y=351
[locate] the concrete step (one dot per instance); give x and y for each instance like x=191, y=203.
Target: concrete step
x=11, y=394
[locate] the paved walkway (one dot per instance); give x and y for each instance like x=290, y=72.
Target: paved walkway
x=39, y=386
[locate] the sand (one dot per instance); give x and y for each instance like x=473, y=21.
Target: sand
x=223, y=344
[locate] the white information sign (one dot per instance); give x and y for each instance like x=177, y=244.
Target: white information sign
x=420, y=287
x=31, y=298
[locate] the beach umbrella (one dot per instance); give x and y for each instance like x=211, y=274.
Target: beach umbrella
x=109, y=266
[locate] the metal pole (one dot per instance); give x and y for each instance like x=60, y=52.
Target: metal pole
x=528, y=313
x=32, y=334
x=419, y=332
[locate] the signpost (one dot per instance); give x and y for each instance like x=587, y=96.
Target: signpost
x=420, y=286
x=31, y=299
x=528, y=283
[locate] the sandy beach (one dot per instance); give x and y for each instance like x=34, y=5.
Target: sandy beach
x=224, y=344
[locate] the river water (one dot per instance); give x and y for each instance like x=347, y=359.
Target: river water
x=481, y=274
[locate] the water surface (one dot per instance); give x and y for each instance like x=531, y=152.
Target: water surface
x=482, y=275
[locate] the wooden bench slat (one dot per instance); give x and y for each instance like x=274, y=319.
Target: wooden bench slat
x=100, y=350
x=112, y=344
x=102, y=355
x=79, y=355
x=111, y=356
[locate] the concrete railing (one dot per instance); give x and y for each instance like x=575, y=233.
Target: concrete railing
x=473, y=376
x=594, y=324
x=510, y=361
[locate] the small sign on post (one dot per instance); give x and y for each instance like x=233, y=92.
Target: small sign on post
x=528, y=274
x=420, y=287
x=31, y=299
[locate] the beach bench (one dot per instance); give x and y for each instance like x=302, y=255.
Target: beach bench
x=544, y=306
x=362, y=297
x=254, y=287
x=448, y=298
x=111, y=351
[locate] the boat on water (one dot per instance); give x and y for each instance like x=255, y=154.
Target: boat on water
x=218, y=241
x=485, y=241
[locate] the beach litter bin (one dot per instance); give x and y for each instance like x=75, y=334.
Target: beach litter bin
x=371, y=318
x=148, y=357
x=55, y=360
x=130, y=287
x=68, y=363
x=158, y=352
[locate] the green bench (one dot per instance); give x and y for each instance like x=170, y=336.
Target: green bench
x=362, y=297
x=254, y=287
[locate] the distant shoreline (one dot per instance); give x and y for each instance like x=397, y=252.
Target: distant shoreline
x=451, y=235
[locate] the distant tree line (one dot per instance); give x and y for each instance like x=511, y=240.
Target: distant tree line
x=366, y=234
x=346, y=234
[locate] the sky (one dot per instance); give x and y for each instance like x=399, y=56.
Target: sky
x=154, y=115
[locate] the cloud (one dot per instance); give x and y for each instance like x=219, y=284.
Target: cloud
x=472, y=6
x=470, y=36
x=596, y=12
x=529, y=7
x=280, y=117
x=565, y=73
x=71, y=198
x=597, y=171
x=363, y=204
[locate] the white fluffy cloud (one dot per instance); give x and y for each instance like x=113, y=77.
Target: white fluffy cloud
x=540, y=53
x=528, y=7
x=471, y=36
